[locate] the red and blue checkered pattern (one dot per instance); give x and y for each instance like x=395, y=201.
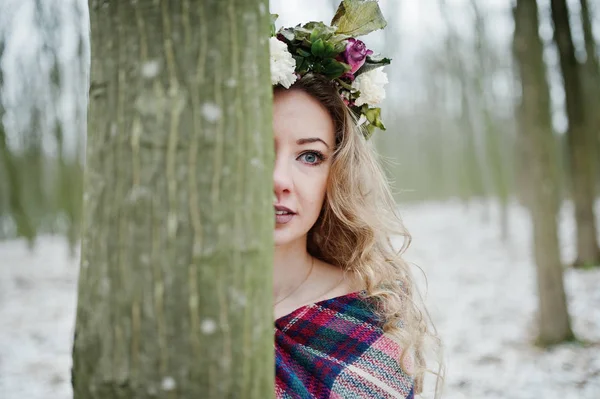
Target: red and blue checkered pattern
x=336, y=349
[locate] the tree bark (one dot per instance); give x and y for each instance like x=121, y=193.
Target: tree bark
x=539, y=145
x=174, y=297
x=580, y=137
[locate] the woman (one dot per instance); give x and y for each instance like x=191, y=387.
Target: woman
x=346, y=322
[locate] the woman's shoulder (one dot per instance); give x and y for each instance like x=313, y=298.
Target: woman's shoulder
x=342, y=335
x=376, y=373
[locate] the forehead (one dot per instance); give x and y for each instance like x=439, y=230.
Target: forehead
x=297, y=115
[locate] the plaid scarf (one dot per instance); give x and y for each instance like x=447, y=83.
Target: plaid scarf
x=336, y=349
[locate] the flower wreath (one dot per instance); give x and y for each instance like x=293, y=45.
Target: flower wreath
x=334, y=52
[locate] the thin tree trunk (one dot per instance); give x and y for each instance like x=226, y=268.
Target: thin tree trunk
x=174, y=297
x=592, y=82
x=493, y=137
x=581, y=138
x=592, y=63
x=537, y=137
x=590, y=44
x=474, y=167
x=10, y=182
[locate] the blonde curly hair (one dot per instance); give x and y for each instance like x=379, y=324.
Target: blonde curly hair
x=354, y=230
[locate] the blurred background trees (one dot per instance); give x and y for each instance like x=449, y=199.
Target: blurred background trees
x=43, y=91
x=582, y=143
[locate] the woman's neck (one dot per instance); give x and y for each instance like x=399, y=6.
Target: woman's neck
x=292, y=263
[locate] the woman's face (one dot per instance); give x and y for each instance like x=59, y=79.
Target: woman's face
x=304, y=145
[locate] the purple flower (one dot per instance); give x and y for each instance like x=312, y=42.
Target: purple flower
x=356, y=54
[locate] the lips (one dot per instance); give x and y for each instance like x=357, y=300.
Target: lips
x=283, y=214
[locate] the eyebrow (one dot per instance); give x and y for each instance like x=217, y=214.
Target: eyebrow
x=311, y=140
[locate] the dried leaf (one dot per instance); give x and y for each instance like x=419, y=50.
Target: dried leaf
x=358, y=17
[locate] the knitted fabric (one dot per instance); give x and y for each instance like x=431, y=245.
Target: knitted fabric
x=336, y=349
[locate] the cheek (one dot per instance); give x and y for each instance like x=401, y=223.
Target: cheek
x=312, y=188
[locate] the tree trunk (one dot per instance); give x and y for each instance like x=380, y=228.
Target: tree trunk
x=11, y=203
x=580, y=137
x=592, y=64
x=538, y=140
x=592, y=81
x=175, y=297
x=475, y=170
x=492, y=135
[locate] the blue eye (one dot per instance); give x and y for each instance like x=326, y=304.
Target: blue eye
x=311, y=157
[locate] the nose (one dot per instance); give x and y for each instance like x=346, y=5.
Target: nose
x=282, y=179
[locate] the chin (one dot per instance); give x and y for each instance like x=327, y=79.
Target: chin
x=285, y=236
x=282, y=239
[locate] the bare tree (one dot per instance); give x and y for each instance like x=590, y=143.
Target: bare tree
x=493, y=135
x=592, y=75
x=538, y=142
x=582, y=146
x=474, y=171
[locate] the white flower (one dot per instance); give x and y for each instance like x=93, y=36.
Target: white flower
x=283, y=65
x=370, y=84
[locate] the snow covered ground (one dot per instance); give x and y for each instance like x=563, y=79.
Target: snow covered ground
x=481, y=296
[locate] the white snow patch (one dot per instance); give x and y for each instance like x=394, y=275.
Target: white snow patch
x=211, y=112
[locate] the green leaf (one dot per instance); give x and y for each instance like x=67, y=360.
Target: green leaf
x=273, y=28
x=306, y=43
x=333, y=69
x=373, y=115
x=378, y=59
x=303, y=33
x=316, y=30
x=344, y=85
x=339, y=46
x=358, y=17
x=301, y=64
x=318, y=48
x=331, y=51
x=371, y=64
x=303, y=53
x=369, y=130
x=299, y=59
x=319, y=30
